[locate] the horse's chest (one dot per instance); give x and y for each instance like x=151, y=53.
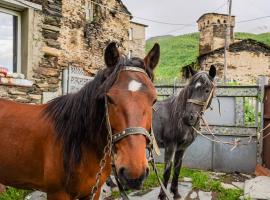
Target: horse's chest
x=187, y=139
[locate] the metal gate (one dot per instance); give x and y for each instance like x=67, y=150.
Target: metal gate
x=266, y=141
x=228, y=125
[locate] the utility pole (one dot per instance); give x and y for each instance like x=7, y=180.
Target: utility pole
x=227, y=41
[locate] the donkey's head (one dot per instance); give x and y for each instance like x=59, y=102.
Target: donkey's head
x=199, y=94
x=130, y=100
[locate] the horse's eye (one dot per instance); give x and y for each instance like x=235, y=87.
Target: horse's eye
x=207, y=90
x=154, y=101
x=110, y=100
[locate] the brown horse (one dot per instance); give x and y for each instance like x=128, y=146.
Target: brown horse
x=57, y=147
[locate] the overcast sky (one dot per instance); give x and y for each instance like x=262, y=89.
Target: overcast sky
x=188, y=11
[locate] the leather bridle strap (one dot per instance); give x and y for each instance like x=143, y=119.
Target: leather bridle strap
x=131, y=131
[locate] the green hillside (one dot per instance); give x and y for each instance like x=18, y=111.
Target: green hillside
x=178, y=51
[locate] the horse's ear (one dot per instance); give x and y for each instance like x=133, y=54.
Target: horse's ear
x=188, y=72
x=212, y=71
x=111, y=55
x=152, y=58
x=192, y=71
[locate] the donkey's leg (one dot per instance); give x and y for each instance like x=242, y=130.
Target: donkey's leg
x=169, y=152
x=177, y=167
x=58, y=196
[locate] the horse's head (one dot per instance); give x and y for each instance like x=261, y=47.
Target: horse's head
x=130, y=100
x=199, y=94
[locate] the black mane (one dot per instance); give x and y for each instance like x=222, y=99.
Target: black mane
x=79, y=118
x=178, y=103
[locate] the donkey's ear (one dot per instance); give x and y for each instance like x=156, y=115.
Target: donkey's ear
x=212, y=71
x=111, y=55
x=152, y=58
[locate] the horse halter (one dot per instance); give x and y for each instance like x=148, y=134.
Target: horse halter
x=204, y=104
x=130, y=130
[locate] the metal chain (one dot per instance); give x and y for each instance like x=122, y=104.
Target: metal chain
x=107, y=152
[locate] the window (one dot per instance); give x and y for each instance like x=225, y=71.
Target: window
x=10, y=40
x=218, y=21
x=89, y=11
x=130, y=54
x=130, y=34
x=224, y=21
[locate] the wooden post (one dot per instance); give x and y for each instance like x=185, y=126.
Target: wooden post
x=227, y=41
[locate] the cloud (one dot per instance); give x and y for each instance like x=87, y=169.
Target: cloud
x=187, y=12
x=6, y=54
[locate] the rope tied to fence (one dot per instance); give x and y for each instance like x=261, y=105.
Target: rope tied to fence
x=237, y=141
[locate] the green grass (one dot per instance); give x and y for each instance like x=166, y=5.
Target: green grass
x=178, y=51
x=200, y=180
x=13, y=194
x=175, y=52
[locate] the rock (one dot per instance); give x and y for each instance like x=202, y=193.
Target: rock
x=37, y=195
x=262, y=171
x=184, y=189
x=257, y=188
x=247, y=176
x=48, y=71
x=51, y=28
x=239, y=185
x=193, y=195
x=2, y=188
x=51, y=51
x=22, y=99
x=205, y=195
x=105, y=192
x=228, y=186
x=15, y=91
x=187, y=179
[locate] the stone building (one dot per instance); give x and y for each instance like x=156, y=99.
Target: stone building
x=44, y=41
x=247, y=59
x=212, y=28
x=137, y=39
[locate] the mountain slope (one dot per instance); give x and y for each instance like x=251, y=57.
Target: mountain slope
x=178, y=51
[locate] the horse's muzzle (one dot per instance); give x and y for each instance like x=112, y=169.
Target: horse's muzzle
x=191, y=119
x=129, y=182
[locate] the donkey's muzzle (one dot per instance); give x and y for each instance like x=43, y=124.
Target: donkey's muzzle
x=132, y=183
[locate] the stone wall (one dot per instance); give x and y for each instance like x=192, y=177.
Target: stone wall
x=243, y=67
x=137, y=42
x=62, y=36
x=213, y=27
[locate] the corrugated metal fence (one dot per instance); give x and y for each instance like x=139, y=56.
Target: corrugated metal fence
x=239, y=117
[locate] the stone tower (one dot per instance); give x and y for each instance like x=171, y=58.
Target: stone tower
x=212, y=27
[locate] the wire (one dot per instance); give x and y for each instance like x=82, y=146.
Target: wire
x=193, y=23
x=220, y=7
x=254, y=19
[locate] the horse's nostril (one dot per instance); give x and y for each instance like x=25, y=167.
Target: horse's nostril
x=191, y=117
x=121, y=172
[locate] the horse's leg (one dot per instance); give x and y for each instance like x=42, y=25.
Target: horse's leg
x=177, y=167
x=169, y=151
x=58, y=196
